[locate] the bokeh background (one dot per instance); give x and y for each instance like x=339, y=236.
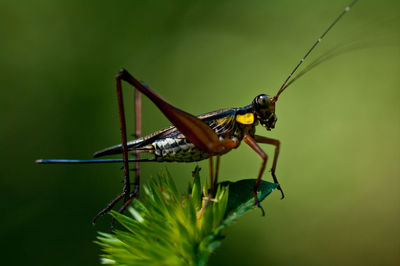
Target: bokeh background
x=339, y=124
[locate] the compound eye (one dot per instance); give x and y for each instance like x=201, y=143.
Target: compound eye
x=263, y=100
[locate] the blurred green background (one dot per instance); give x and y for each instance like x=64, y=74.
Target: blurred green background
x=339, y=125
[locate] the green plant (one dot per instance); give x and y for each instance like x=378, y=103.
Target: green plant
x=167, y=228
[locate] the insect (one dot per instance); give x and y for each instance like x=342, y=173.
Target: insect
x=194, y=138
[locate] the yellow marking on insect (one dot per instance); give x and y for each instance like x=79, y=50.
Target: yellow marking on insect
x=222, y=121
x=246, y=119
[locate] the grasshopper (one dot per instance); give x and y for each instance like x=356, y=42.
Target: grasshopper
x=194, y=138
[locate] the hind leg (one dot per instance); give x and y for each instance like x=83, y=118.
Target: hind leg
x=126, y=194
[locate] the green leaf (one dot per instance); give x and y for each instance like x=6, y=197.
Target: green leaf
x=241, y=196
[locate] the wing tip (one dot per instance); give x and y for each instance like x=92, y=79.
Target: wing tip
x=108, y=151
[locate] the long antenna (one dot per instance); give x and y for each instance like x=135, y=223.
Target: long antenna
x=283, y=87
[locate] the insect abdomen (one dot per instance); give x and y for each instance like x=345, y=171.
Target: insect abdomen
x=177, y=150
